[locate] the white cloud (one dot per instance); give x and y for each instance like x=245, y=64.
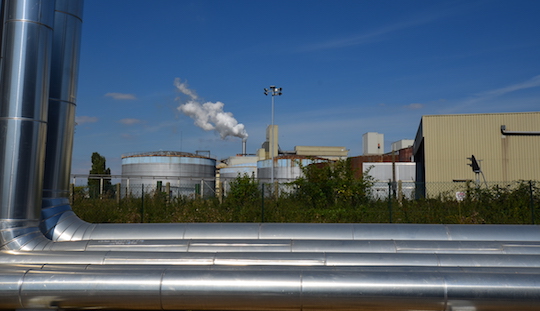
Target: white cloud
x=121, y=96
x=130, y=121
x=414, y=106
x=492, y=96
x=127, y=136
x=531, y=83
x=85, y=119
x=374, y=35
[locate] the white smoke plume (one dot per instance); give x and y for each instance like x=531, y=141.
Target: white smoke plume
x=209, y=116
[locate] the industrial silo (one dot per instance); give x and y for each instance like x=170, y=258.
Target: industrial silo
x=230, y=173
x=187, y=173
x=287, y=168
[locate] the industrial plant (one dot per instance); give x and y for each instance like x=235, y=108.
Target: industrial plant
x=198, y=174
x=50, y=259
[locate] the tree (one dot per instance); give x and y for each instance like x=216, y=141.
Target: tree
x=99, y=169
x=244, y=189
x=332, y=183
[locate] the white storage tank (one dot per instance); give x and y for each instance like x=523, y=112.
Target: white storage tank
x=188, y=173
x=287, y=168
x=230, y=173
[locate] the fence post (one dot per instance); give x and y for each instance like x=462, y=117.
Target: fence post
x=221, y=184
x=71, y=193
x=400, y=191
x=202, y=188
x=531, y=197
x=101, y=188
x=390, y=201
x=118, y=194
x=142, y=203
x=128, y=190
x=262, y=202
x=168, y=192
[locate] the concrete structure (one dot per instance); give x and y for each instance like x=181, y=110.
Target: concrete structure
x=271, y=145
x=331, y=153
x=444, y=143
x=402, y=144
x=373, y=143
x=187, y=173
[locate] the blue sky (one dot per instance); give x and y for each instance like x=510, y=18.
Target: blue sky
x=346, y=68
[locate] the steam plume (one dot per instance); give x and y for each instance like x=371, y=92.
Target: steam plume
x=209, y=116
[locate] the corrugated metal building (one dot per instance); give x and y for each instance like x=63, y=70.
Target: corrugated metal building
x=444, y=142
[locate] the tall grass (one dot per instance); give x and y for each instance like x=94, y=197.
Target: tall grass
x=326, y=193
x=508, y=204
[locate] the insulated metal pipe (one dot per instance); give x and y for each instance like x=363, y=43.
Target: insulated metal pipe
x=270, y=288
x=32, y=240
x=260, y=259
x=68, y=227
x=24, y=83
x=62, y=98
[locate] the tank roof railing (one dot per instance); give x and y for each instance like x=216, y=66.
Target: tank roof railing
x=165, y=153
x=103, y=176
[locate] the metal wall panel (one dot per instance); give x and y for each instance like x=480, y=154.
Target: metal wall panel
x=451, y=139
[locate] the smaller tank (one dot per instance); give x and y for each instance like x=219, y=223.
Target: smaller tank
x=287, y=168
x=230, y=173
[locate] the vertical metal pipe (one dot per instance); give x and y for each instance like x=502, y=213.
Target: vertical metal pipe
x=61, y=115
x=62, y=98
x=24, y=76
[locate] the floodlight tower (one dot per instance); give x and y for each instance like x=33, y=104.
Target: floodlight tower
x=274, y=91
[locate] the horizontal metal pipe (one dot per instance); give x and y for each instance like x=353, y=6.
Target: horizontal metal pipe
x=268, y=259
x=17, y=236
x=518, y=133
x=61, y=224
x=270, y=288
x=340, y=246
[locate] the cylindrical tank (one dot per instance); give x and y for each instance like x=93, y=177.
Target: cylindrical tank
x=230, y=173
x=188, y=174
x=287, y=168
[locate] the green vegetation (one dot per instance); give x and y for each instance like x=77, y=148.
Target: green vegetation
x=326, y=194
x=99, y=168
